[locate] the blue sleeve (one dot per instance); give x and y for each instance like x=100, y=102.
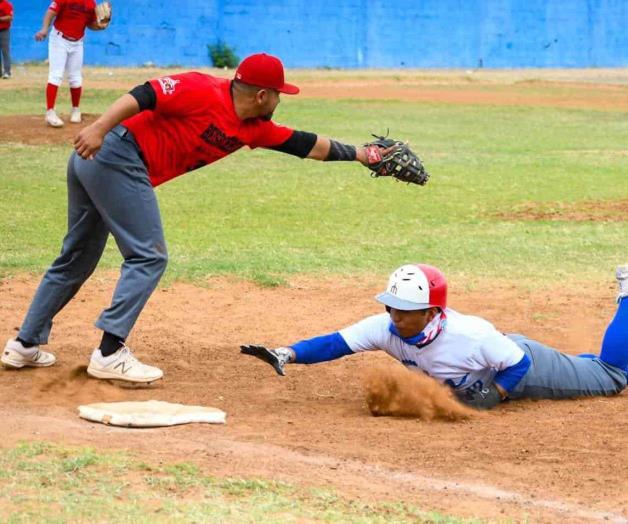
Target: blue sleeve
x=508, y=378
x=321, y=349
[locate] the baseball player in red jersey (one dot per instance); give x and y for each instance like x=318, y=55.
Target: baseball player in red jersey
x=65, y=51
x=159, y=130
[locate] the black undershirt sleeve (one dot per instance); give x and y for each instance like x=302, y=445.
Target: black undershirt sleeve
x=339, y=151
x=145, y=96
x=299, y=144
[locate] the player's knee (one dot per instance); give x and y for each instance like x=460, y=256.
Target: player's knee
x=75, y=81
x=160, y=258
x=55, y=78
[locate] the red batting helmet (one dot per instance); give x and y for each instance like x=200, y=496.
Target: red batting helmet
x=415, y=286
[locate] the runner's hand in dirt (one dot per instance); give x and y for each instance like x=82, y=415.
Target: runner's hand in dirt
x=277, y=358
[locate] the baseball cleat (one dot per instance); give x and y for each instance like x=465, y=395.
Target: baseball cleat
x=15, y=355
x=52, y=119
x=621, y=274
x=75, y=116
x=6, y=76
x=122, y=365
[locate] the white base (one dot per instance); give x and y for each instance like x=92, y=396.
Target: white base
x=151, y=413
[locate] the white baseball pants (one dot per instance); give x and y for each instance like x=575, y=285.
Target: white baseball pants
x=64, y=56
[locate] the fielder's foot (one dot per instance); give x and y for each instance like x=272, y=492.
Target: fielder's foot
x=6, y=76
x=122, y=365
x=75, y=116
x=621, y=274
x=52, y=119
x=15, y=355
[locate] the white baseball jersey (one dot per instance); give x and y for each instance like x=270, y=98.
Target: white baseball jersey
x=467, y=353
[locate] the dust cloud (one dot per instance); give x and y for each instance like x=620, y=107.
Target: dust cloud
x=76, y=387
x=396, y=392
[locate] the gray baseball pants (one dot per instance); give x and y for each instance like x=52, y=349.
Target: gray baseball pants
x=5, y=50
x=554, y=375
x=110, y=194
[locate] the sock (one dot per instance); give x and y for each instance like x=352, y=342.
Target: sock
x=51, y=95
x=110, y=344
x=75, y=93
x=615, y=343
x=27, y=345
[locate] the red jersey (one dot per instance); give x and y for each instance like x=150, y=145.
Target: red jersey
x=6, y=9
x=73, y=16
x=194, y=124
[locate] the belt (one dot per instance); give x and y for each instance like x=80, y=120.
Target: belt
x=125, y=134
x=122, y=132
x=67, y=37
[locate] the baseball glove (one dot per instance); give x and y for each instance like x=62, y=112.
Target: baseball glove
x=388, y=157
x=103, y=13
x=277, y=358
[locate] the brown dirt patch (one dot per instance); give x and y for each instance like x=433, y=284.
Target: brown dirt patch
x=33, y=130
x=543, y=461
x=585, y=211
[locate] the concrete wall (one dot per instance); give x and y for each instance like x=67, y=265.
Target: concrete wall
x=353, y=33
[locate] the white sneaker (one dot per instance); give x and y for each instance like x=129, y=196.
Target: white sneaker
x=6, y=76
x=75, y=116
x=52, y=119
x=15, y=355
x=122, y=365
x=621, y=274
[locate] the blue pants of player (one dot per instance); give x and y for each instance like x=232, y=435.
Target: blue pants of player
x=110, y=194
x=555, y=375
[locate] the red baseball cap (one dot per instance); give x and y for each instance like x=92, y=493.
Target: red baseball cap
x=264, y=70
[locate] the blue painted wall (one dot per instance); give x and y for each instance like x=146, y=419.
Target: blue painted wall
x=353, y=33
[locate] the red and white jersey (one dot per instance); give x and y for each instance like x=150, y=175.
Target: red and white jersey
x=194, y=124
x=467, y=353
x=6, y=9
x=73, y=16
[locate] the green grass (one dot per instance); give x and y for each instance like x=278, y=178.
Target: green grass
x=263, y=215
x=42, y=482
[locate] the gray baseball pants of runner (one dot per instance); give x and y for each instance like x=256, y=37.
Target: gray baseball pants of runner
x=110, y=194
x=554, y=375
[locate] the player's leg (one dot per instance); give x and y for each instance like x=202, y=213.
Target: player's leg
x=555, y=375
x=74, y=68
x=127, y=202
x=5, y=48
x=615, y=343
x=57, y=57
x=82, y=248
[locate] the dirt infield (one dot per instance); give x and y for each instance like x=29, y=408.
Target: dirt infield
x=546, y=461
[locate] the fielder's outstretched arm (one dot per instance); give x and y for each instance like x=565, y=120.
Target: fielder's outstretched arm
x=309, y=145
